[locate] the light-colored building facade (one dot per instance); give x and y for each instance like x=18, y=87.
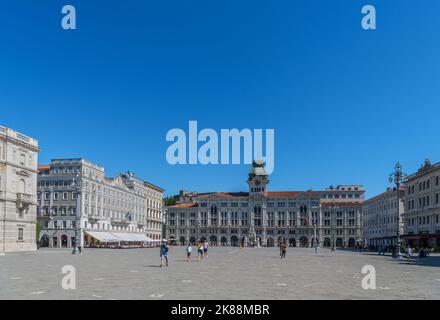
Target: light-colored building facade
x=422, y=207
x=76, y=191
x=264, y=218
x=18, y=191
x=380, y=218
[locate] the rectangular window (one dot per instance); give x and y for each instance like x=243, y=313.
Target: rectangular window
x=20, y=234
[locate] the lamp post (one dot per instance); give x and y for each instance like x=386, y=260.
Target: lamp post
x=77, y=185
x=397, y=177
x=314, y=238
x=164, y=225
x=332, y=224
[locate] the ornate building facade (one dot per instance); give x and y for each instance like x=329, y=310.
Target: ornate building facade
x=422, y=207
x=263, y=218
x=75, y=192
x=18, y=191
x=380, y=220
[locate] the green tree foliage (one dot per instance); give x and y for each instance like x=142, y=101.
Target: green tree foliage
x=169, y=201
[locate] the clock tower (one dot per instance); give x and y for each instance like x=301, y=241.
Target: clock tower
x=258, y=179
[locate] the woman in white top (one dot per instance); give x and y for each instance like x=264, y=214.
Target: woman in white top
x=189, y=250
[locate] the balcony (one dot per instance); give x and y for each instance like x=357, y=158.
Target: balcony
x=94, y=218
x=25, y=200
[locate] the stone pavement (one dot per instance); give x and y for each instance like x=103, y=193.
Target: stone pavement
x=227, y=273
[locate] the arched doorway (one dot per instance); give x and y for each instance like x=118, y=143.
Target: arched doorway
x=224, y=241
x=352, y=242
x=182, y=241
x=172, y=241
x=202, y=239
x=339, y=242
x=55, y=242
x=234, y=241
x=292, y=242
x=44, y=241
x=327, y=243
x=192, y=241
x=270, y=242
x=64, y=241
x=213, y=240
x=303, y=242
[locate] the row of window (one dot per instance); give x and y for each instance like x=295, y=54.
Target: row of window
x=423, y=202
x=423, y=185
x=422, y=221
x=375, y=221
x=98, y=188
x=380, y=207
x=259, y=232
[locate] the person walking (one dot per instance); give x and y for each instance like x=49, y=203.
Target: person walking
x=188, y=252
x=200, y=251
x=283, y=248
x=164, y=248
x=205, y=249
x=408, y=253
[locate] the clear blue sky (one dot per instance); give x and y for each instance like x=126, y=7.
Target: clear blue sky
x=345, y=103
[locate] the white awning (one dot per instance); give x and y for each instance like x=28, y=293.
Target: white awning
x=119, y=236
x=103, y=236
x=125, y=237
x=141, y=237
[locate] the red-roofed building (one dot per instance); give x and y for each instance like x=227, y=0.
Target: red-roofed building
x=264, y=218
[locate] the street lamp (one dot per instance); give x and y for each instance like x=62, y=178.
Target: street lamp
x=314, y=238
x=164, y=225
x=398, y=177
x=77, y=185
x=332, y=225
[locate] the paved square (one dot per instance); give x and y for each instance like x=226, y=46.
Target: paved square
x=227, y=273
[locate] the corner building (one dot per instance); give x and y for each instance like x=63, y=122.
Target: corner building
x=263, y=218
x=18, y=191
x=76, y=192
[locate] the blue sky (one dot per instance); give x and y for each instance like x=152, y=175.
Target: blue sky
x=345, y=103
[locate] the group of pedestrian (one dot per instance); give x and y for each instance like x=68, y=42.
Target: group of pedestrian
x=424, y=252
x=382, y=250
x=202, y=251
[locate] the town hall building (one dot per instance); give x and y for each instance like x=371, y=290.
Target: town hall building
x=259, y=217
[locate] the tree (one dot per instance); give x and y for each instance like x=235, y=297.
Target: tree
x=169, y=201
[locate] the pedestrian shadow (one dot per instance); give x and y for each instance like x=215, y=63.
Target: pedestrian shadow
x=152, y=266
x=432, y=261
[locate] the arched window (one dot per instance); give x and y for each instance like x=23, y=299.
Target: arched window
x=21, y=186
x=213, y=209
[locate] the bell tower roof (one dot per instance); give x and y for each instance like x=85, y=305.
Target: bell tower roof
x=258, y=169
